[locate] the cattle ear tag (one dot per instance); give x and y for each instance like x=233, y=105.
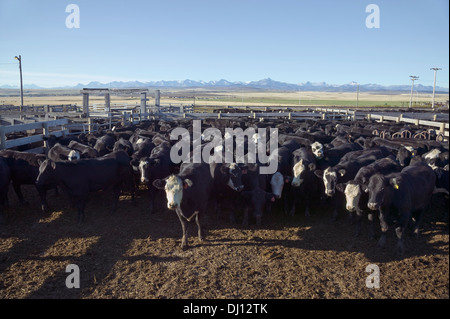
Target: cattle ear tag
x=396, y=186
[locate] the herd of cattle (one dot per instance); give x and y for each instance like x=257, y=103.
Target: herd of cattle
x=343, y=165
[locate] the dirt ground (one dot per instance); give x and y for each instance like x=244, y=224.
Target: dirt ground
x=134, y=254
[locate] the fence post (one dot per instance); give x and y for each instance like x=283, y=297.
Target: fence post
x=45, y=134
x=86, y=104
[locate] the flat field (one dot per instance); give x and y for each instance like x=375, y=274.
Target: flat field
x=205, y=97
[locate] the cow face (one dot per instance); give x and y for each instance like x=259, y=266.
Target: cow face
x=235, y=177
x=47, y=173
x=299, y=170
x=329, y=180
x=404, y=155
x=73, y=155
x=145, y=166
x=173, y=186
x=377, y=191
x=317, y=150
x=352, y=194
x=277, y=183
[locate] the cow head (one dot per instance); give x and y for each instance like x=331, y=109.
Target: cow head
x=317, y=149
x=234, y=172
x=300, y=169
x=352, y=192
x=377, y=189
x=145, y=164
x=73, y=155
x=277, y=182
x=329, y=178
x=173, y=186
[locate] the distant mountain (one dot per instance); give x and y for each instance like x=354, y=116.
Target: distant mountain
x=264, y=84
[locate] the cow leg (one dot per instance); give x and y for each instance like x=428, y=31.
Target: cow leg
x=383, y=213
x=184, y=241
x=371, y=226
x=116, y=195
x=18, y=191
x=245, y=220
x=43, y=195
x=307, y=213
x=357, y=221
x=80, y=205
x=197, y=221
x=400, y=232
x=418, y=220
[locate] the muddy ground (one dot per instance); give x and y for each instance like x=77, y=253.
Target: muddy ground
x=132, y=254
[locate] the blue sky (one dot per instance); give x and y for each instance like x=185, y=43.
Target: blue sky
x=238, y=40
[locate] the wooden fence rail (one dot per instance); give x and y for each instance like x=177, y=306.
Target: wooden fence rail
x=109, y=119
x=44, y=126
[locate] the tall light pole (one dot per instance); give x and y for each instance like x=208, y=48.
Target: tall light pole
x=19, y=58
x=434, y=85
x=413, y=78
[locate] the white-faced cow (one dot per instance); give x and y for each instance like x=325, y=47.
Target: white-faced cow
x=188, y=194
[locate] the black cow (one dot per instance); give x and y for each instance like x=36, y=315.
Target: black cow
x=80, y=178
x=63, y=153
x=156, y=166
x=305, y=185
x=408, y=192
x=254, y=196
x=188, y=194
x=344, y=171
x=405, y=154
x=104, y=144
x=123, y=145
x=24, y=169
x=227, y=182
x=84, y=150
x=355, y=190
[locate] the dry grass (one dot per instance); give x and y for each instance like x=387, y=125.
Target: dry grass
x=221, y=98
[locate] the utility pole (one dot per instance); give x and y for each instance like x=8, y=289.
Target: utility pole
x=413, y=78
x=21, y=83
x=434, y=85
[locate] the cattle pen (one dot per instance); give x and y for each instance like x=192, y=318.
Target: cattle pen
x=135, y=253
x=40, y=121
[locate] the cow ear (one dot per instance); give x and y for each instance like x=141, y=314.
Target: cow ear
x=312, y=167
x=318, y=173
x=341, y=187
x=134, y=162
x=394, y=183
x=187, y=183
x=159, y=183
x=342, y=172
